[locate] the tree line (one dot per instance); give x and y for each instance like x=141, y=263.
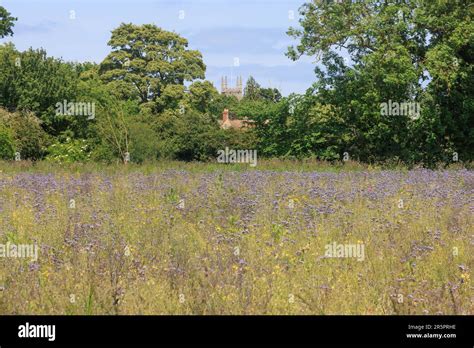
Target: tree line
x=151, y=100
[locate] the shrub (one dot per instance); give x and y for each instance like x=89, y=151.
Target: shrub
x=143, y=143
x=77, y=150
x=7, y=149
x=29, y=137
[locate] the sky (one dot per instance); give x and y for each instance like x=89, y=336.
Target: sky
x=236, y=37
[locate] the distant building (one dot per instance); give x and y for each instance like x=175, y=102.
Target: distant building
x=227, y=122
x=237, y=91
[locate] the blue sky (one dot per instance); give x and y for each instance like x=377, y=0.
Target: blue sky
x=254, y=31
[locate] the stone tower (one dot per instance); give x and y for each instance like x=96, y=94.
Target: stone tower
x=236, y=91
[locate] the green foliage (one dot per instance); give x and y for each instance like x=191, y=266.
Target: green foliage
x=221, y=102
x=112, y=128
x=201, y=96
x=147, y=63
x=171, y=98
x=31, y=81
x=29, y=137
x=6, y=23
x=188, y=136
x=270, y=131
x=369, y=52
x=71, y=150
x=7, y=147
x=253, y=91
x=416, y=51
x=270, y=94
x=143, y=143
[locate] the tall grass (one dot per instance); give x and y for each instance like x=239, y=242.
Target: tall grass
x=174, y=238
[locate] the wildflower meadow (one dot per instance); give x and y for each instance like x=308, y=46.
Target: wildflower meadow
x=231, y=239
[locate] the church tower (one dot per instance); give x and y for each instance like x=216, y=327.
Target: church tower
x=236, y=91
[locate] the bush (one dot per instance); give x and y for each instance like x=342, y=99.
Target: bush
x=194, y=136
x=29, y=137
x=143, y=143
x=76, y=150
x=7, y=149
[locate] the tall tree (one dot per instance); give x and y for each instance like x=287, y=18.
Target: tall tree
x=32, y=81
x=252, y=89
x=6, y=23
x=270, y=94
x=146, y=63
x=392, y=51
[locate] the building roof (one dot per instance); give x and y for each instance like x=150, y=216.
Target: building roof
x=227, y=123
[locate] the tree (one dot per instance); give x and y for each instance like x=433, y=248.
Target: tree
x=6, y=23
x=32, y=81
x=29, y=137
x=146, y=60
x=113, y=129
x=270, y=94
x=394, y=51
x=201, y=95
x=220, y=102
x=270, y=130
x=252, y=89
x=449, y=61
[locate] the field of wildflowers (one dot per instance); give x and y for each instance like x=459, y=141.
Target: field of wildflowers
x=221, y=239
